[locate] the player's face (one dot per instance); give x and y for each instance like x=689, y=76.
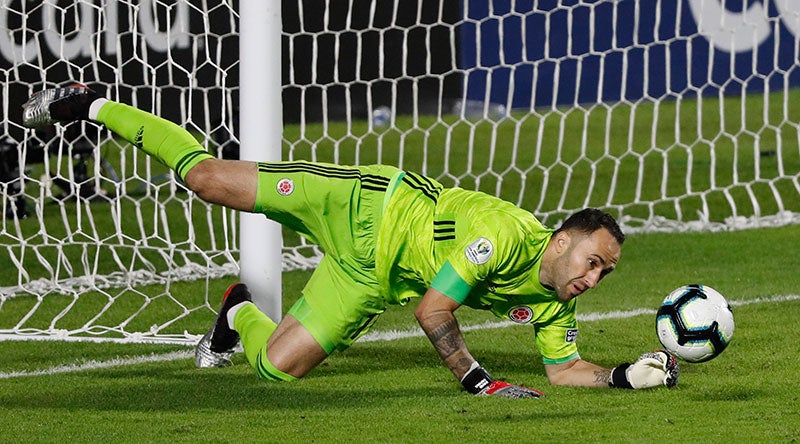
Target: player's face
x=583, y=262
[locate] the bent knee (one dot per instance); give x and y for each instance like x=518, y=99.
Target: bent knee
x=201, y=178
x=266, y=370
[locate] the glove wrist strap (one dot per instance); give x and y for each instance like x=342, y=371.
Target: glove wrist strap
x=476, y=379
x=619, y=379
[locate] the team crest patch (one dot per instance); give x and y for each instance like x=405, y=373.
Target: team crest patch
x=521, y=314
x=572, y=335
x=479, y=251
x=285, y=187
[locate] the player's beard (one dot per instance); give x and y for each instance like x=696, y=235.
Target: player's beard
x=560, y=276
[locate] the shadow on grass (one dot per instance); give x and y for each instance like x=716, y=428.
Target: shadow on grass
x=175, y=391
x=353, y=379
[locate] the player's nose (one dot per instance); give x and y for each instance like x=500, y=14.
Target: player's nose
x=593, y=278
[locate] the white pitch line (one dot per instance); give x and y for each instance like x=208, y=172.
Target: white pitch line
x=389, y=335
x=92, y=365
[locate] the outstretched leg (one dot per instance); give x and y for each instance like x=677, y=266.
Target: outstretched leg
x=292, y=351
x=230, y=183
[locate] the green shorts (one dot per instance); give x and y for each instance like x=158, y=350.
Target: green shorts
x=338, y=208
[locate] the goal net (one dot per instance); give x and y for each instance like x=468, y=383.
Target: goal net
x=670, y=115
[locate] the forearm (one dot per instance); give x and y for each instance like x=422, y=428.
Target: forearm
x=650, y=370
x=435, y=316
x=578, y=373
x=442, y=330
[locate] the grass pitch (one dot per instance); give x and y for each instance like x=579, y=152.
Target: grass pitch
x=399, y=391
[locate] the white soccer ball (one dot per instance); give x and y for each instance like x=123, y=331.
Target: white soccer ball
x=695, y=323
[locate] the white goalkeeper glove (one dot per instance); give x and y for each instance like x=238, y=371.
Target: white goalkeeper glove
x=650, y=370
x=478, y=382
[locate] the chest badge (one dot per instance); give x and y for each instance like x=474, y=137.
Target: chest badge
x=521, y=314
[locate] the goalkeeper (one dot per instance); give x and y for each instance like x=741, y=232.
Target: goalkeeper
x=388, y=236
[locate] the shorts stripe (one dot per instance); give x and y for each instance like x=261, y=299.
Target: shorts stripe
x=422, y=184
x=368, y=181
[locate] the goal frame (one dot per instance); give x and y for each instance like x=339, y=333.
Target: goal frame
x=261, y=136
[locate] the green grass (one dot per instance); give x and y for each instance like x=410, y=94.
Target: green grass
x=399, y=391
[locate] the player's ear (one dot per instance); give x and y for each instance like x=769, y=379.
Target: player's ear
x=562, y=240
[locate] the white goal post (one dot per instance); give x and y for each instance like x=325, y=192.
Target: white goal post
x=261, y=136
x=672, y=116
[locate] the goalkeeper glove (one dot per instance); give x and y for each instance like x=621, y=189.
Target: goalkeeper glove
x=650, y=370
x=478, y=382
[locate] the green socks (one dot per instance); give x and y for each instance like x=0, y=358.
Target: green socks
x=255, y=328
x=169, y=143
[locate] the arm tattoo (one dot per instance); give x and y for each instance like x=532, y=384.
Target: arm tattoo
x=447, y=339
x=442, y=330
x=463, y=364
x=602, y=376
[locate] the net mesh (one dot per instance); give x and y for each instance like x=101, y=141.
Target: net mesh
x=670, y=115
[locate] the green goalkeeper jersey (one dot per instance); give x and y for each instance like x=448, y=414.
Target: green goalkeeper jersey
x=479, y=250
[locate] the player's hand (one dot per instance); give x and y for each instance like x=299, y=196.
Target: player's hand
x=650, y=370
x=654, y=368
x=504, y=389
x=478, y=382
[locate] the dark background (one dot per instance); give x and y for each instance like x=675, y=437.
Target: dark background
x=397, y=54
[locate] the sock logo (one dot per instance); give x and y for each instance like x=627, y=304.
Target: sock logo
x=139, y=136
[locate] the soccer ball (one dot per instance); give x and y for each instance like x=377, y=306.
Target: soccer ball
x=695, y=323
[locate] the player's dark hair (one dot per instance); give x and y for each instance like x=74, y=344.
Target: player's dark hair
x=590, y=220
